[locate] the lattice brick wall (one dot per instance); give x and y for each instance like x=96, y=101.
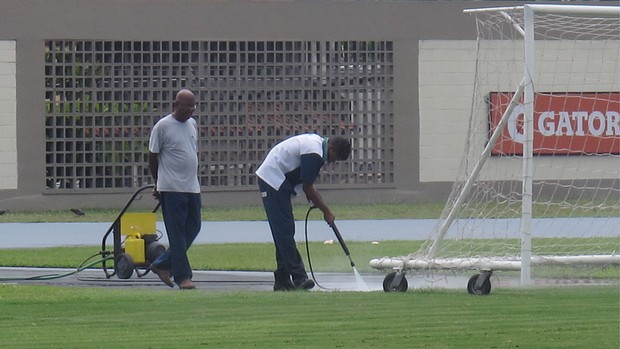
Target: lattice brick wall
x=102, y=97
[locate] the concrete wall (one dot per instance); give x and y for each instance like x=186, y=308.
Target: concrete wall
x=8, y=116
x=446, y=87
x=417, y=29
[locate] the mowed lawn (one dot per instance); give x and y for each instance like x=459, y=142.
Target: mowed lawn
x=550, y=317
x=78, y=317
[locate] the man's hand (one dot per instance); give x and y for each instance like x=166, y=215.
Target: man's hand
x=329, y=217
x=315, y=198
x=155, y=192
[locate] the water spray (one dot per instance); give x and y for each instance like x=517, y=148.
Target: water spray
x=358, y=278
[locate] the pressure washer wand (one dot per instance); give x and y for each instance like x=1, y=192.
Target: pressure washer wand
x=342, y=244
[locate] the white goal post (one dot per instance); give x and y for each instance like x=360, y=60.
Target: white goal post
x=539, y=179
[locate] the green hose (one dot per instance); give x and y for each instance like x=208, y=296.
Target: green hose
x=82, y=266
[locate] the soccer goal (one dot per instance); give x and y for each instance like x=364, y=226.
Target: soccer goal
x=538, y=185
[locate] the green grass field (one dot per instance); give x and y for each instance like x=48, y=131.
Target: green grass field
x=41, y=316
x=241, y=213
x=51, y=317
x=74, y=317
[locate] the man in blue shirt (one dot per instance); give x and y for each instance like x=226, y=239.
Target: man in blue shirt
x=295, y=161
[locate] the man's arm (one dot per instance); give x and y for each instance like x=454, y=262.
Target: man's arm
x=310, y=166
x=153, y=164
x=153, y=167
x=313, y=196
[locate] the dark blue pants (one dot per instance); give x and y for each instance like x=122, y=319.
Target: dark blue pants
x=181, y=212
x=279, y=209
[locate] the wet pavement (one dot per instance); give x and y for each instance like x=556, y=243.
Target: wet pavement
x=204, y=280
x=235, y=281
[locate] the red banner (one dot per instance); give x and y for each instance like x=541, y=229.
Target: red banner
x=564, y=123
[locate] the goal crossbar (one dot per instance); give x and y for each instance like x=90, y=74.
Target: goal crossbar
x=583, y=10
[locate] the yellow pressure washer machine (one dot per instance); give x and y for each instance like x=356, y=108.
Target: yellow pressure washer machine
x=141, y=245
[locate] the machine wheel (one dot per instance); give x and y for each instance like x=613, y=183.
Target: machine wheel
x=482, y=290
x=154, y=250
x=124, y=266
x=388, y=282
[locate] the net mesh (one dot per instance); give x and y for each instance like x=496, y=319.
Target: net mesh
x=575, y=187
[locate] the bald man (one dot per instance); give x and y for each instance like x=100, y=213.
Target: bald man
x=173, y=162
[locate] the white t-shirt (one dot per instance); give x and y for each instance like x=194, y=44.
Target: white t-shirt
x=177, y=145
x=285, y=157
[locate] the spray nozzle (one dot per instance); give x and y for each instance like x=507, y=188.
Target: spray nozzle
x=337, y=233
x=342, y=243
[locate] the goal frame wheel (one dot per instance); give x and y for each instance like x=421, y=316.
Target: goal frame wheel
x=479, y=284
x=391, y=282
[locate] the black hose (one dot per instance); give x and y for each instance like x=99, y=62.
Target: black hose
x=340, y=240
x=308, y=249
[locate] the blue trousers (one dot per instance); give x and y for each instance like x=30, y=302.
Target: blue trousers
x=279, y=209
x=181, y=212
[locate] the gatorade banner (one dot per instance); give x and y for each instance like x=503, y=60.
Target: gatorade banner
x=564, y=123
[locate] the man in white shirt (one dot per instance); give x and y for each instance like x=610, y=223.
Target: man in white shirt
x=295, y=161
x=173, y=162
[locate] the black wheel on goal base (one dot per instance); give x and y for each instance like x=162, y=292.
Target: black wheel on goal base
x=480, y=290
x=392, y=285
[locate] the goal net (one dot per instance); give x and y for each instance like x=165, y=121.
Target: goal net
x=538, y=184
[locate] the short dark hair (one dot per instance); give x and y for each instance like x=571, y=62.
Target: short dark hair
x=342, y=147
